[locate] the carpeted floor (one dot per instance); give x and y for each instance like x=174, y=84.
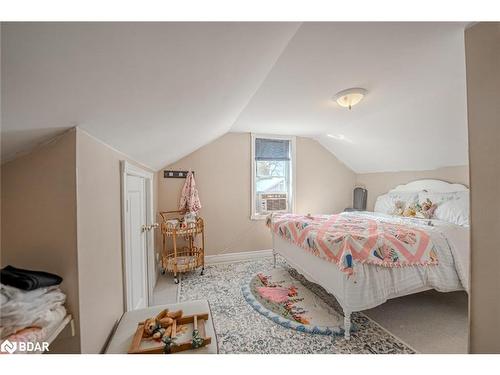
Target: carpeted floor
x=240, y=329
x=430, y=322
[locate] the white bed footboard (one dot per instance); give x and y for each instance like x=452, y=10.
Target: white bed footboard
x=369, y=287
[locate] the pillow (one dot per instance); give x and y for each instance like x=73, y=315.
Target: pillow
x=451, y=207
x=387, y=203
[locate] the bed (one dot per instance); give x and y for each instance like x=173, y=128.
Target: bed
x=362, y=285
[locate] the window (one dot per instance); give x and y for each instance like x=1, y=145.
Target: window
x=272, y=175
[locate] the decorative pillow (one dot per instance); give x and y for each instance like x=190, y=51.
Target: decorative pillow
x=451, y=207
x=386, y=203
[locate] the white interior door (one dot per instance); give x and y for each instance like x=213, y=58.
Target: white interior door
x=136, y=243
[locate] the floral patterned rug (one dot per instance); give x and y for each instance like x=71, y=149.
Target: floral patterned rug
x=286, y=301
x=241, y=329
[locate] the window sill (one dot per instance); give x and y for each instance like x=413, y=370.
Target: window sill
x=263, y=217
x=258, y=217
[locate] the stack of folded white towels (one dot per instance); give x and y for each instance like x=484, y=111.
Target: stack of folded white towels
x=19, y=309
x=31, y=305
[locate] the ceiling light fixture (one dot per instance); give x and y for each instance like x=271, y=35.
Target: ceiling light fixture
x=348, y=98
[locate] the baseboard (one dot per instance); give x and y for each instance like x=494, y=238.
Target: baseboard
x=237, y=257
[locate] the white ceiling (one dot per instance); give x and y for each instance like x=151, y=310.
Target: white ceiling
x=158, y=91
x=155, y=91
x=414, y=116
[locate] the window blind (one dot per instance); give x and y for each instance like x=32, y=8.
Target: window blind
x=272, y=149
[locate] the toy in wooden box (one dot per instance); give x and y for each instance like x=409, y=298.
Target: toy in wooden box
x=170, y=333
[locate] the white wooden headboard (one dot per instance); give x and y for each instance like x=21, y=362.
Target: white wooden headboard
x=436, y=186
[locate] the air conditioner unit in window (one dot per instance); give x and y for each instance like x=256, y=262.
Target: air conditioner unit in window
x=273, y=202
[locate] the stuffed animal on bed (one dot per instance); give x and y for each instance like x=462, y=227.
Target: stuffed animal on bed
x=161, y=325
x=399, y=208
x=427, y=209
x=410, y=211
x=423, y=210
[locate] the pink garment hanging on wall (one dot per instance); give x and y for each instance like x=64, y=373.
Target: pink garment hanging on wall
x=190, y=201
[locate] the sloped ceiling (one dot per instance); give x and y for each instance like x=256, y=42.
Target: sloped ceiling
x=155, y=91
x=414, y=116
x=158, y=91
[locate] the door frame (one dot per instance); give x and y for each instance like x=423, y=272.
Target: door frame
x=128, y=169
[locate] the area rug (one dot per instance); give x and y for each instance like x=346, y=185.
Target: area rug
x=287, y=302
x=241, y=329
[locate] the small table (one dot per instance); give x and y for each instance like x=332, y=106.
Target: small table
x=185, y=258
x=122, y=338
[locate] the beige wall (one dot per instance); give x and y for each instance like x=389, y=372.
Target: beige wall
x=99, y=240
x=222, y=172
x=39, y=219
x=61, y=212
x=380, y=183
x=324, y=184
x=482, y=48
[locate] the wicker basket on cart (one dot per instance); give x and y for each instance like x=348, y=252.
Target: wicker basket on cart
x=179, y=259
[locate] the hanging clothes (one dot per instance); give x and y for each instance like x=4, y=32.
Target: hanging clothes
x=190, y=201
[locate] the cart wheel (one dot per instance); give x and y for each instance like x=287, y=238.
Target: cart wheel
x=202, y=270
x=176, y=280
x=162, y=271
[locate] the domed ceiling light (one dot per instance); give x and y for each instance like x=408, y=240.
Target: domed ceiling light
x=348, y=98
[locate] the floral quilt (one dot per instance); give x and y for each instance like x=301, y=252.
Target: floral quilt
x=347, y=239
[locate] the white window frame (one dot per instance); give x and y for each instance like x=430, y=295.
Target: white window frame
x=253, y=214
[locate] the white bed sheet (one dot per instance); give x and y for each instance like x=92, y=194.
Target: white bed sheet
x=373, y=285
